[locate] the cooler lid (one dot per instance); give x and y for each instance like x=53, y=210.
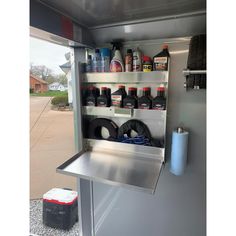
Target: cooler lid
x=60, y=196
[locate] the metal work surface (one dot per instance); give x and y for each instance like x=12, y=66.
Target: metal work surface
x=93, y=13
x=136, y=171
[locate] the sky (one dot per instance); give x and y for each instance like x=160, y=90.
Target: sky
x=48, y=54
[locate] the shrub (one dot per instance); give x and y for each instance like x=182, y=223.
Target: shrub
x=31, y=90
x=60, y=100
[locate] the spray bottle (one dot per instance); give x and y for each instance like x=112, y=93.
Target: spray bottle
x=117, y=64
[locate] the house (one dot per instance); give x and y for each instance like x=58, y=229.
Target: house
x=38, y=85
x=56, y=86
x=66, y=68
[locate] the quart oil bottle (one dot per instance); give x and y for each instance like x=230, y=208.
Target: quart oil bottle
x=161, y=60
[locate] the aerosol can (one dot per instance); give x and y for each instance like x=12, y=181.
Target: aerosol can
x=137, y=60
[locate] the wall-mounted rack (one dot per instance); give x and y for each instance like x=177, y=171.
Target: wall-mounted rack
x=193, y=72
x=195, y=79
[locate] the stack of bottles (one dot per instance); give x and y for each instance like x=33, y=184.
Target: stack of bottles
x=106, y=60
x=92, y=96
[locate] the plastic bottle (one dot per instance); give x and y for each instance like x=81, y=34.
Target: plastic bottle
x=145, y=101
x=103, y=100
x=97, y=61
x=147, y=64
x=118, y=96
x=131, y=100
x=159, y=102
x=89, y=64
x=91, y=99
x=137, y=60
x=105, y=59
x=117, y=64
x=161, y=60
x=129, y=61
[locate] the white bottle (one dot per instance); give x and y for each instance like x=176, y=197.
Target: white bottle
x=117, y=64
x=137, y=60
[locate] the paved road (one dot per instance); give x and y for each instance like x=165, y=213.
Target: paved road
x=51, y=143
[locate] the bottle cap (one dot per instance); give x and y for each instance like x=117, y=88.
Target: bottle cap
x=121, y=86
x=103, y=88
x=132, y=89
x=146, y=58
x=129, y=51
x=91, y=87
x=105, y=52
x=161, y=89
x=146, y=89
x=165, y=46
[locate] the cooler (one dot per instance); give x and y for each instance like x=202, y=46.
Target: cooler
x=60, y=208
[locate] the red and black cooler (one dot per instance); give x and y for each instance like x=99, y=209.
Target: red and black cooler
x=60, y=208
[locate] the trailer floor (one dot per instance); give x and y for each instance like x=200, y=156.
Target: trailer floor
x=38, y=228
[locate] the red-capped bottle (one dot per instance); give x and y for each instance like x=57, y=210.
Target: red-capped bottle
x=131, y=100
x=145, y=101
x=103, y=99
x=118, y=96
x=161, y=60
x=91, y=99
x=159, y=102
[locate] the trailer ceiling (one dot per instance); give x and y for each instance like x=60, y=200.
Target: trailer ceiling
x=95, y=13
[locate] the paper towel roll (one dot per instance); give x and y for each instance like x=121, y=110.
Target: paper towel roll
x=179, y=151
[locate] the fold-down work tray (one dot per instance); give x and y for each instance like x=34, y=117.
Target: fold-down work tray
x=128, y=165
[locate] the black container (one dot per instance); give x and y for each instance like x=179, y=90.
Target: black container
x=131, y=100
x=160, y=61
x=103, y=100
x=91, y=99
x=60, y=216
x=60, y=208
x=159, y=102
x=118, y=96
x=145, y=101
x=84, y=93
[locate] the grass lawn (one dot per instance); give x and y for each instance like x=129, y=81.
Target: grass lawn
x=49, y=94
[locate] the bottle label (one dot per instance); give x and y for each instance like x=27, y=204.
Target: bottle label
x=160, y=63
x=136, y=63
x=90, y=103
x=158, y=107
x=128, y=63
x=115, y=66
x=101, y=104
x=128, y=105
x=144, y=106
x=147, y=68
x=116, y=100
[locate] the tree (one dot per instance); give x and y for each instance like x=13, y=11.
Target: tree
x=61, y=78
x=41, y=71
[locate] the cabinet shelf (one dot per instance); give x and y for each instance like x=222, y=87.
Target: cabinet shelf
x=123, y=112
x=126, y=77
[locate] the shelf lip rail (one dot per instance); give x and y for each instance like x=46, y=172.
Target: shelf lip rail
x=193, y=72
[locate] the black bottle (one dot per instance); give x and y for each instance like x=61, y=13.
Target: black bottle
x=103, y=100
x=118, y=96
x=161, y=60
x=131, y=100
x=145, y=101
x=91, y=99
x=84, y=94
x=159, y=102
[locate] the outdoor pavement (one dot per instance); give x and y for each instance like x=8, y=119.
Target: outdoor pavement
x=51, y=144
